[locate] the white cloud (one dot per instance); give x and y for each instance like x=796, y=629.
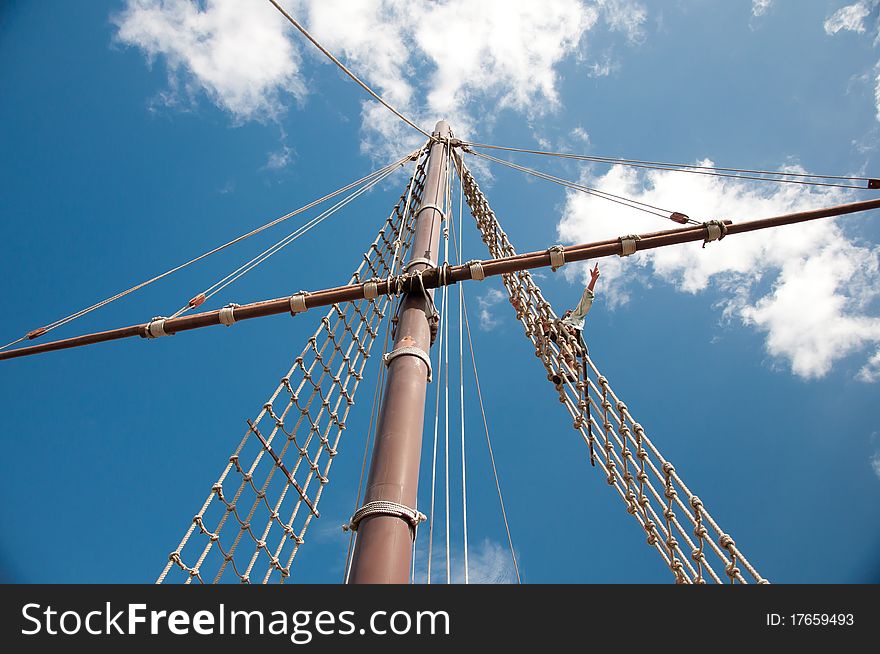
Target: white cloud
x=504, y=53
x=280, y=158
x=627, y=16
x=486, y=304
x=875, y=463
x=850, y=18
x=452, y=59
x=808, y=288
x=502, y=49
x=603, y=67
x=580, y=134
x=761, y=7
x=238, y=53
x=870, y=372
x=488, y=563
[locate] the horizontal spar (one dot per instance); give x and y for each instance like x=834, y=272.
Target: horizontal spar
x=429, y=278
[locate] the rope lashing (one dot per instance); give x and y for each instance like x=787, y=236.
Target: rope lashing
x=227, y=314
x=442, y=274
x=715, y=231
x=386, y=508
x=425, y=260
x=432, y=206
x=298, y=302
x=476, y=268
x=628, y=244
x=409, y=350
x=371, y=289
x=394, y=285
x=156, y=328
x=557, y=257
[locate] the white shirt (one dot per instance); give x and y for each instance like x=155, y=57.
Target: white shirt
x=576, y=318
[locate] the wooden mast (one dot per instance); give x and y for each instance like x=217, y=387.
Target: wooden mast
x=383, y=552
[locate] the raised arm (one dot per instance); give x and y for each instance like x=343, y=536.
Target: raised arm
x=594, y=276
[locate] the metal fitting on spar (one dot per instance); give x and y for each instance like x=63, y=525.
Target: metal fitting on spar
x=431, y=206
x=409, y=351
x=419, y=260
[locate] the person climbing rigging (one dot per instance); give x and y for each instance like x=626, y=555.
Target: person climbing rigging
x=575, y=319
x=568, y=332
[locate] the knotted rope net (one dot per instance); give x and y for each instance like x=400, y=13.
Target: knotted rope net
x=676, y=523
x=271, y=487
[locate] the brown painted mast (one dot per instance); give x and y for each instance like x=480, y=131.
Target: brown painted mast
x=383, y=552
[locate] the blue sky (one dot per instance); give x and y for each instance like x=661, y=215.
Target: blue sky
x=137, y=135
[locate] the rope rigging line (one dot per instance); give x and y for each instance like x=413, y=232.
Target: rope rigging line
x=62, y=321
x=715, y=171
x=440, y=371
x=675, y=216
x=463, y=312
x=442, y=366
x=300, y=438
x=459, y=259
x=446, y=382
x=632, y=464
x=489, y=445
x=245, y=268
x=345, y=70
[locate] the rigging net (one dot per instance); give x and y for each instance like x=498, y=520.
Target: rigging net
x=292, y=442
x=693, y=545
